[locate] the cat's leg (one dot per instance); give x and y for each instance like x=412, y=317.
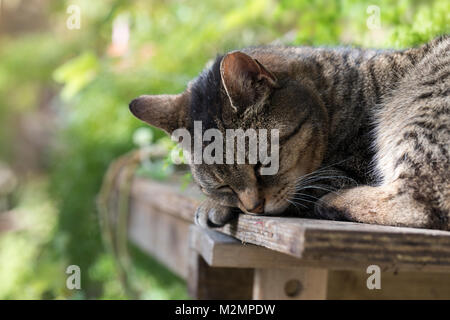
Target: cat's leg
x=414, y=166
x=387, y=205
x=210, y=214
x=412, y=143
x=413, y=163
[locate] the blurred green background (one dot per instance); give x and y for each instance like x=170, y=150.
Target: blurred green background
x=64, y=94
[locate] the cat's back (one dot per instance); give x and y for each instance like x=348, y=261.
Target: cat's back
x=413, y=130
x=423, y=93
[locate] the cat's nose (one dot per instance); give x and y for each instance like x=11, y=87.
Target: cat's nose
x=251, y=201
x=259, y=207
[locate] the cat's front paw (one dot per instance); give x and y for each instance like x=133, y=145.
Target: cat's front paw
x=209, y=214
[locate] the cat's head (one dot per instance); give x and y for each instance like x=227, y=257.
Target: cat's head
x=243, y=91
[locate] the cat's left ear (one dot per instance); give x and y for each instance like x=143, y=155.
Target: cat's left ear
x=167, y=112
x=246, y=81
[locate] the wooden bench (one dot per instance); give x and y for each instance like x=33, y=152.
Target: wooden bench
x=259, y=257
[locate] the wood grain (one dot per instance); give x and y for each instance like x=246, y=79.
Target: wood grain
x=221, y=250
x=331, y=244
x=163, y=236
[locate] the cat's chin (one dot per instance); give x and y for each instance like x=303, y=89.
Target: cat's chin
x=274, y=208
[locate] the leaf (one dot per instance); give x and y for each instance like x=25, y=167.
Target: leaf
x=76, y=74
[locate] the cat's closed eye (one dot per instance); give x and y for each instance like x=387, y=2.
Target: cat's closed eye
x=225, y=188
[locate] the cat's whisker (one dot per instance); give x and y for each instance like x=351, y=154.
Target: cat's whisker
x=296, y=205
x=326, y=167
x=302, y=199
x=326, y=189
x=306, y=195
x=310, y=180
x=318, y=201
x=321, y=172
x=319, y=187
x=317, y=173
x=313, y=179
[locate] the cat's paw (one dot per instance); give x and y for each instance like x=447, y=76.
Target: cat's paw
x=209, y=214
x=347, y=204
x=325, y=208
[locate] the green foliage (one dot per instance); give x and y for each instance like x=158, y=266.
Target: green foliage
x=76, y=74
x=26, y=65
x=31, y=268
x=170, y=42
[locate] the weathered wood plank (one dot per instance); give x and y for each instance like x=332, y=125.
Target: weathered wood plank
x=161, y=235
x=220, y=250
x=331, y=242
x=168, y=197
x=334, y=243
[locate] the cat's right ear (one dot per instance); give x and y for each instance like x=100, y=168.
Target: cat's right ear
x=245, y=79
x=167, y=112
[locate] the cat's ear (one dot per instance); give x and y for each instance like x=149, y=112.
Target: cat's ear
x=246, y=81
x=168, y=112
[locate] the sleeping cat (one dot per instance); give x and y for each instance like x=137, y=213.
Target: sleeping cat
x=363, y=134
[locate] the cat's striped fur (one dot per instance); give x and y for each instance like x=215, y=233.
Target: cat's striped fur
x=364, y=133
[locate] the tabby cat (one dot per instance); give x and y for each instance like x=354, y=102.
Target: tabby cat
x=363, y=134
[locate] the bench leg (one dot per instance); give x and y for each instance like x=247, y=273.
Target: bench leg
x=292, y=284
x=210, y=283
